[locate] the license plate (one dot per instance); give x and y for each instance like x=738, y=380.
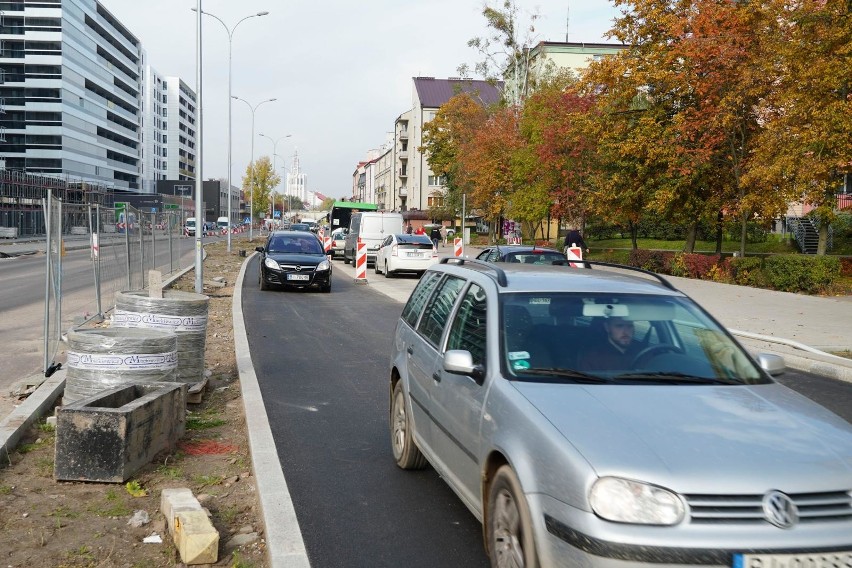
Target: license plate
x=415, y=254
x=812, y=560
x=298, y=277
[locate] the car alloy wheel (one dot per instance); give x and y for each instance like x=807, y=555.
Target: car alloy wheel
x=510, y=539
x=405, y=452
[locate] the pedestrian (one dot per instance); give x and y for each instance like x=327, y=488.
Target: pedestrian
x=575, y=239
x=435, y=235
x=419, y=231
x=443, y=231
x=408, y=229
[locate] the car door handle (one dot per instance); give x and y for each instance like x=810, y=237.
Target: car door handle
x=410, y=350
x=437, y=376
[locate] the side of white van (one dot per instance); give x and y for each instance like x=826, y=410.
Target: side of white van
x=371, y=227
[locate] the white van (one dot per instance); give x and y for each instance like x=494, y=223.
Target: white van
x=189, y=226
x=222, y=223
x=370, y=227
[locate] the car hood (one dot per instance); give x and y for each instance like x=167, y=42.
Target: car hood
x=297, y=258
x=704, y=435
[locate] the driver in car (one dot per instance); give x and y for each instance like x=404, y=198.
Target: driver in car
x=616, y=351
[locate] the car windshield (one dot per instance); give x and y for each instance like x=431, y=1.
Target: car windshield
x=294, y=245
x=618, y=339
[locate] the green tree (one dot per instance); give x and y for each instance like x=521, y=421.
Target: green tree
x=258, y=182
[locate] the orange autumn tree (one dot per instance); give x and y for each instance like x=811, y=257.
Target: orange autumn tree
x=552, y=123
x=805, y=146
x=486, y=166
x=454, y=125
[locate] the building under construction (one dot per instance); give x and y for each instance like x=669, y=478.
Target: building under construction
x=21, y=196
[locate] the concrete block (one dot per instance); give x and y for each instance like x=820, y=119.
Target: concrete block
x=194, y=535
x=196, y=538
x=108, y=436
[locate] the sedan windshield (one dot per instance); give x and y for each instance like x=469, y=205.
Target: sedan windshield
x=294, y=245
x=619, y=339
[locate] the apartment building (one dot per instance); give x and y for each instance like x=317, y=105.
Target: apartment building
x=70, y=92
x=168, y=130
x=415, y=186
x=548, y=57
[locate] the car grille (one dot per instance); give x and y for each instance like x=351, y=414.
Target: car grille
x=748, y=509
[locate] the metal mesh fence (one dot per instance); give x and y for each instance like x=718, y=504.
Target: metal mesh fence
x=100, y=251
x=52, y=208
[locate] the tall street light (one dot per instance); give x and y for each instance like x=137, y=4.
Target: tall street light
x=274, y=155
x=230, y=45
x=251, y=201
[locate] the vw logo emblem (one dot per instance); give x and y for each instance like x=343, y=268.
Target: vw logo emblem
x=780, y=510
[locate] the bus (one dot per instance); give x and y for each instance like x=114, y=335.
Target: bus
x=341, y=212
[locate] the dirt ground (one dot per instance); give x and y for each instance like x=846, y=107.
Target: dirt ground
x=44, y=522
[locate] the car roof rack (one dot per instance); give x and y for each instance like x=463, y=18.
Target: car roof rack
x=499, y=272
x=590, y=263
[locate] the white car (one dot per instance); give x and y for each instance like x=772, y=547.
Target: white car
x=405, y=253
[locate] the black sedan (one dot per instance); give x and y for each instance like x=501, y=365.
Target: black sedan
x=294, y=259
x=520, y=253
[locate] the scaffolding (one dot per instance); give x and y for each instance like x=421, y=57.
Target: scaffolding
x=21, y=196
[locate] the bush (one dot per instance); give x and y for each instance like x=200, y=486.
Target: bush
x=653, y=260
x=746, y=271
x=846, y=267
x=798, y=273
x=689, y=265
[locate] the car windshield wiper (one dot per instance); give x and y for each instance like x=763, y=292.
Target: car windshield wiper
x=672, y=377
x=564, y=373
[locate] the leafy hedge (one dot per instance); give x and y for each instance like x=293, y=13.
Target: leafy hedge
x=788, y=273
x=810, y=274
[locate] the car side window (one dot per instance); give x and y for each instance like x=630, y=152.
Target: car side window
x=468, y=328
x=438, y=311
x=483, y=255
x=493, y=256
x=417, y=300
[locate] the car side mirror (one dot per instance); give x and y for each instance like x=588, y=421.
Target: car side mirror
x=258, y=249
x=460, y=362
x=772, y=364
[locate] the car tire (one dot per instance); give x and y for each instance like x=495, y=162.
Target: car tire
x=405, y=452
x=387, y=271
x=263, y=284
x=376, y=268
x=508, y=524
x=326, y=289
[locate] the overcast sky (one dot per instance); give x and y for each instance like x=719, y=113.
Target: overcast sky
x=340, y=70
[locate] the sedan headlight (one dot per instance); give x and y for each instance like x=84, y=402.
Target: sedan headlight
x=324, y=265
x=626, y=501
x=271, y=264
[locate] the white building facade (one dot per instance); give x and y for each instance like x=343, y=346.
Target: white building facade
x=70, y=86
x=296, y=184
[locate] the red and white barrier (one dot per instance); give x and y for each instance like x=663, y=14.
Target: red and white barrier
x=326, y=244
x=574, y=253
x=458, y=247
x=361, y=263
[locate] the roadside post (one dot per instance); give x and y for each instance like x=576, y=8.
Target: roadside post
x=574, y=253
x=361, y=263
x=458, y=247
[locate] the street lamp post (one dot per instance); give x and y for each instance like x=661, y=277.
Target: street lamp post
x=230, y=32
x=251, y=201
x=274, y=155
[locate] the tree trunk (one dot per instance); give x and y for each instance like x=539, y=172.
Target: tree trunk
x=691, y=231
x=743, y=234
x=822, y=245
x=719, y=218
x=634, y=230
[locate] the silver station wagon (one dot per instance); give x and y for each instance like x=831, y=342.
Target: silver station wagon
x=602, y=418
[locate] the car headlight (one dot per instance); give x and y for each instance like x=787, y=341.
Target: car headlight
x=626, y=501
x=324, y=265
x=271, y=264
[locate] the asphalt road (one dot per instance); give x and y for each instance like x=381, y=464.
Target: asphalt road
x=322, y=362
